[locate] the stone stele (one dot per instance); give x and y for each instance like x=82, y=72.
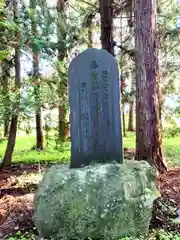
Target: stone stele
x=94, y=99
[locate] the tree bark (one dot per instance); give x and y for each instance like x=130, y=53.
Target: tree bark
x=62, y=123
x=14, y=120
x=36, y=75
x=38, y=115
x=90, y=31
x=131, y=107
x=130, y=120
x=124, y=121
x=6, y=127
x=148, y=135
x=106, y=12
x=61, y=56
x=39, y=131
x=6, y=68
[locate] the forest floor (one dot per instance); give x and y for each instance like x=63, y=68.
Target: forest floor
x=19, y=182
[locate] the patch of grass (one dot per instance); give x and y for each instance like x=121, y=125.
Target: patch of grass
x=24, y=154
x=130, y=140
x=172, y=151
x=171, y=148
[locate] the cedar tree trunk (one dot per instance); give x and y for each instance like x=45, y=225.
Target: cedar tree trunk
x=36, y=75
x=106, y=12
x=148, y=127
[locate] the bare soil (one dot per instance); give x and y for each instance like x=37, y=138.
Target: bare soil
x=19, y=182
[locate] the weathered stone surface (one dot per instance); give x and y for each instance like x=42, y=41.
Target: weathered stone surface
x=93, y=82
x=99, y=201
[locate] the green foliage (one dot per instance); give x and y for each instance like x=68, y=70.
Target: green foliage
x=154, y=235
x=2, y=4
x=3, y=54
x=70, y=34
x=169, y=46
x=5, y=31
x=172, y=132
x=21, y=236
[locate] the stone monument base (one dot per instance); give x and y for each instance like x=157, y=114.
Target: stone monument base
x=99, y=201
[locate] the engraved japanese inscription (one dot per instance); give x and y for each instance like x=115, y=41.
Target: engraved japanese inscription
x=93, y=83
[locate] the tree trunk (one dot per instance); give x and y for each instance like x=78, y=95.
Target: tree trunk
x=106, y=12
x=14, y=120
x=131, y=107
x=38, y=115
x=6, y=69
x=6, y=128
x=62, y=124
x=124, y=121
x=36, y=75
x=130, y=120
x=148, y=136
x=39, y=131
x=90, y=31
x=61, y=56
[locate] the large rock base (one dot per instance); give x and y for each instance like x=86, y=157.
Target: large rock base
x=99, y=201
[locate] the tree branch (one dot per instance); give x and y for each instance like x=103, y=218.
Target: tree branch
x=131, y=53
x=90, y=4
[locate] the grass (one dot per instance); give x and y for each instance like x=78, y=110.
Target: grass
x=171, y=148
x=23, y=152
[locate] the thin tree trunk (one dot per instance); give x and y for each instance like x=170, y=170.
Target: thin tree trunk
x=124, y=121
x=38, y=115
x=11, y=142
x=131, y=107
x=148, y=136
x=130, y=120
x=6, y=68
x=61, y=56
x=36, y=75
x=6, y=128
x=39, y=131
x=14, y=120
x=62, y=124
x=90, y=32
x=106, y=12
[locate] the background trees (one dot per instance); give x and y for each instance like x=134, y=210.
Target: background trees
x=48, y=36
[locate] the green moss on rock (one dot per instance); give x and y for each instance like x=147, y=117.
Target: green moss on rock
x=99, y=201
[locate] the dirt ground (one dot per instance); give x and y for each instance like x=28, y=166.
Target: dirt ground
x=18, y=184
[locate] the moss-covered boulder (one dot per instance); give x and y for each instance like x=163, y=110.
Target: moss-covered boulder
x=99, y=201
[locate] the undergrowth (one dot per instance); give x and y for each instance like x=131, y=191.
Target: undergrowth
x=154, y=235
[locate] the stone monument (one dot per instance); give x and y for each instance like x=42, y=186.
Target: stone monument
x=94, y=98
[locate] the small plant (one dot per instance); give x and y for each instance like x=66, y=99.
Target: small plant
x=20, y=236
